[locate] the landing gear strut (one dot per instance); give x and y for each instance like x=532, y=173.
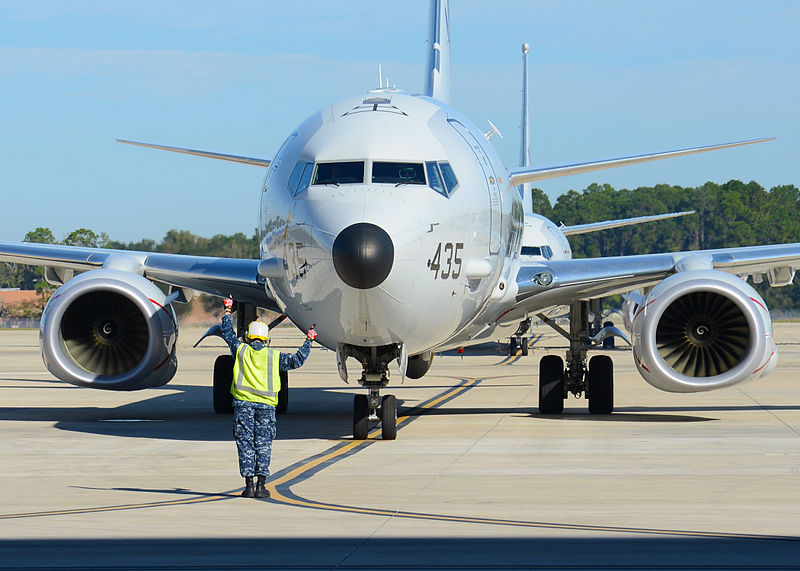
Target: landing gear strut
x=372, y=407
x=595, y=381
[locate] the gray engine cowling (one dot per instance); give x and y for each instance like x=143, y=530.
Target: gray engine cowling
x=702, y=330
x=109, y=329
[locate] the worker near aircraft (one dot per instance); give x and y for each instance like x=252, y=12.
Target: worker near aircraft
x=256, y=382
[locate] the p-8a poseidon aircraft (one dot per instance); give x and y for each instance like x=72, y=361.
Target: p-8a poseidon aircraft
x=390, y=222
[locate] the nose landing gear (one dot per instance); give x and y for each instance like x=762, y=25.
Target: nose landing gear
x=372, y=408
x=375, y=376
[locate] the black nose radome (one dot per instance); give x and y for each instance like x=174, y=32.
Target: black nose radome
x=363, y=255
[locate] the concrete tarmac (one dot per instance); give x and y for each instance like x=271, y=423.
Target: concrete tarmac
x=477, y=478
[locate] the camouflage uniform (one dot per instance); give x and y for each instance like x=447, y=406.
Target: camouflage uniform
x=254, y=424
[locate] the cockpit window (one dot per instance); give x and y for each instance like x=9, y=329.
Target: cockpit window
x=339, y=173
x=434, y=179
x=300, y=177
x=398, y=173
x=441, y=177
x=545, y=251
x=449, y=177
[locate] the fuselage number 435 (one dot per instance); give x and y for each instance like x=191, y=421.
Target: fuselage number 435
x=446, y=262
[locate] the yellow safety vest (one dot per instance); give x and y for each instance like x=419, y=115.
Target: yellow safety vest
x=256, y=375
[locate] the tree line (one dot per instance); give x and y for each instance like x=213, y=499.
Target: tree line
x=727, y=215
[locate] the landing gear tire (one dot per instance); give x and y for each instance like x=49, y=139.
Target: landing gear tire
x=512, y=346
x=524, y=346
x=223, y=378
x=600, y=385
x=551, y=385
x=360, y=417
x=608, y=342
x=283, y=394
x=388, y=414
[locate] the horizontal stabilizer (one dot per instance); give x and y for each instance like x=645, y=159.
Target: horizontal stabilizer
x=595, y=226
x=522, y=175
x=233, y=158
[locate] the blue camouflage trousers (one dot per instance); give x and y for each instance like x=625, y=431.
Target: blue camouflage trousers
x=254, y=428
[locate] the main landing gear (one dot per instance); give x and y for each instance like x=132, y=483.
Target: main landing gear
x=595, y=381
x=373, y=407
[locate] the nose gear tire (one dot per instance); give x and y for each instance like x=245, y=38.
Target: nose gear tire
x=388, y=414
x=360, y=417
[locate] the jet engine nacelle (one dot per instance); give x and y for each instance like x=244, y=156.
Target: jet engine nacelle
x=418, y=365
x=108, y=329
x=702, y=330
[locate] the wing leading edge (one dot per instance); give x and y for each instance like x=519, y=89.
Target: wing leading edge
x=542, y=285
x=209, y=155
x=216, y=276
x=523, y=175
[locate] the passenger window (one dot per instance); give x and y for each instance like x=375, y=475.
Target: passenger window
x=339, y=173
x=398, y=173
x=434, y=180
x=450, y=181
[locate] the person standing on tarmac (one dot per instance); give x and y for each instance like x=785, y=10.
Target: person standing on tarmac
x=256, y=382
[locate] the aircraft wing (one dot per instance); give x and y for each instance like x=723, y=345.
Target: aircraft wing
x=207, y=154
x=607, y=224
x=522, y=175
x=546, y=284
x=217, y=276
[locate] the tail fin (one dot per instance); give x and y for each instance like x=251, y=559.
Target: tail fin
x=437, y=79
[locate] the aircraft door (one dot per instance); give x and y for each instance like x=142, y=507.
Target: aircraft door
x=496, y=217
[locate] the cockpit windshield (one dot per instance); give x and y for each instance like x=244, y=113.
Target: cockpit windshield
x=398, y=173
x=339, y=173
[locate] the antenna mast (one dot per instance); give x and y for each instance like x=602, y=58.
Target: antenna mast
x=525, y=150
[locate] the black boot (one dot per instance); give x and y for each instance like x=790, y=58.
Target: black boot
x=261, y=491
x=248, y=491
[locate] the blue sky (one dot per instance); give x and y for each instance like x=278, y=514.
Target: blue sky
x=608, y=79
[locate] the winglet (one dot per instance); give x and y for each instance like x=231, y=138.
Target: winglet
x=437, y=79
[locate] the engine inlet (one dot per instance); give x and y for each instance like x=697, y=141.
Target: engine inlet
x=702, y=334
x=105, y=333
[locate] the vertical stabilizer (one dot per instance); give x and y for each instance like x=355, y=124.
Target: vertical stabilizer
x=437, y=77
x=525, y=146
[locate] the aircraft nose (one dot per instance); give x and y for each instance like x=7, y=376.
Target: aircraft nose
x=363, y=255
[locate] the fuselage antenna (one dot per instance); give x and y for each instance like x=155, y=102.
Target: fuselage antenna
x=525, y=146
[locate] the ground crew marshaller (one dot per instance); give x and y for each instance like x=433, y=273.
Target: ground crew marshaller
x=256, y=382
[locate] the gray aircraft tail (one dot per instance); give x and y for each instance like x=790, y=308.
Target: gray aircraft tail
x=437, y=78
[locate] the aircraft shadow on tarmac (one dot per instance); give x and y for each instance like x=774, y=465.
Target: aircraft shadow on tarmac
x=185, y=415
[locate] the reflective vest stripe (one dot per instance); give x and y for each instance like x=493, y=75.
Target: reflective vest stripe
x=240, y=385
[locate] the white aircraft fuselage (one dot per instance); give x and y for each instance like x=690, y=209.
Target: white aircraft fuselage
x=440, y=272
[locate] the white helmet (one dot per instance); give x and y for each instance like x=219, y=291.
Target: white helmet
x=258, y=330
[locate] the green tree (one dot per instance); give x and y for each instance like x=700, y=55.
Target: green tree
x=40, y=236
x=86, y=238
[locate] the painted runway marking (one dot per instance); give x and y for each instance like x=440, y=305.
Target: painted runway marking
x=511, y=359
x=281, y=491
